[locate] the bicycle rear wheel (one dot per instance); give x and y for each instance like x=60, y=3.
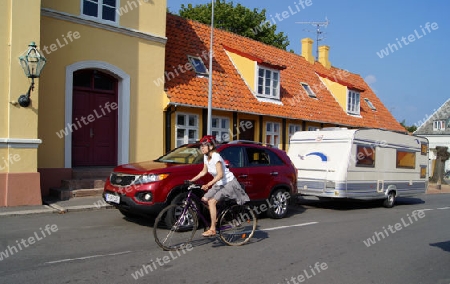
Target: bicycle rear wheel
x=237, y=225
x=175, y=227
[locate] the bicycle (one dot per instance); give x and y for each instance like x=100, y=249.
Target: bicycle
x=175, y=225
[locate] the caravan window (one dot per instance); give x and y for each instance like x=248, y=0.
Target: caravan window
x=406, y=159
x=424, y=149
x=365, y=156
x=423, y=171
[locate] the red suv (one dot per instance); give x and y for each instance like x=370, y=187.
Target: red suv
x=145, y=188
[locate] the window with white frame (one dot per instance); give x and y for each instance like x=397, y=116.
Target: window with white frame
x=273, y=133
x=186, y=129
x=294, y=128
x=103, y=10
x=353, y=104
x=438, y=125
x=313, y=128
x=220, y=127
x=268, y=83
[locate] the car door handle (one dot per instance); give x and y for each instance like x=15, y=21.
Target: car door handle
x=243, y=176
x=274, y=173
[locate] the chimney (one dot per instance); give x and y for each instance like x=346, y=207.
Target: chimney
x=323, y=56
x=307, y=53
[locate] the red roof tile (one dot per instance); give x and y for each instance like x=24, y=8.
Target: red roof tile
x=186, y=37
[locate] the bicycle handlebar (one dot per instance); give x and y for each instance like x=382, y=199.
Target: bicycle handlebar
x=190, y=184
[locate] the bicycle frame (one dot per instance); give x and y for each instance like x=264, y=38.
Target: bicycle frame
x=191, y=202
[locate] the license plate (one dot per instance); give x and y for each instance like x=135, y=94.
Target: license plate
x=112, y=198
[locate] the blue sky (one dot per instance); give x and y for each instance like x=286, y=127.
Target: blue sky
x=409, y=77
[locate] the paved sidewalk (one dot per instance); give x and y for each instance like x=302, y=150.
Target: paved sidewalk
x=97, y=203
x=52, y=205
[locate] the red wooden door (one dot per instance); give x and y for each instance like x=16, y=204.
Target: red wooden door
x=94, y=119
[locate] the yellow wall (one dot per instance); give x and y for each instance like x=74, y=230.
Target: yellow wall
x=246, y=67
x=18, y=160
x=338, y=91
x=5, y=50
x=17, y=32
x=19, y=25
x=72, y=7
x=132, y=55
x=147, y=16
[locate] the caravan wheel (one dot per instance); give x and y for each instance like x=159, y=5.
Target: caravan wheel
x=390, y=200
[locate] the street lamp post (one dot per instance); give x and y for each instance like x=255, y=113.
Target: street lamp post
x=209, y=131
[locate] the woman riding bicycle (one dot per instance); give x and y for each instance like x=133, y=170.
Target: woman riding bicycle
x=223, y=185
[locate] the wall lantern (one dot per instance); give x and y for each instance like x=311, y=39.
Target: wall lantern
x=32, y=63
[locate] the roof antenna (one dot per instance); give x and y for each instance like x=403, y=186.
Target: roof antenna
x=318, y=32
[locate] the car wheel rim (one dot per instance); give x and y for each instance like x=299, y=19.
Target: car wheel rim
x=279, y=204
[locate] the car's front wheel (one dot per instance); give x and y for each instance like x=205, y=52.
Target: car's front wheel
x=279, y=202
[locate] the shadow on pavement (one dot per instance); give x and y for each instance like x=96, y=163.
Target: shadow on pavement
x=442, y=245
x=353, y=204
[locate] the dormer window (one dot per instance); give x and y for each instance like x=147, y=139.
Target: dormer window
x=198, y=65
x=103, y=10
x=438, y=125
x=268, y=83
x=370, y=104
x=353, y=104
x=308, y=90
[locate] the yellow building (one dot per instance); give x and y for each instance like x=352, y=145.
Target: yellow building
x=93, y=104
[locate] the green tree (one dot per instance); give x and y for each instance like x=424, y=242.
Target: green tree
x=237, y=19
x=408, y=128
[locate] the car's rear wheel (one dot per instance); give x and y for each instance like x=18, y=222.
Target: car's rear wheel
x=390, y=200
x=278, y=204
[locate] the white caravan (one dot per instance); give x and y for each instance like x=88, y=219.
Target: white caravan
x=360, y=164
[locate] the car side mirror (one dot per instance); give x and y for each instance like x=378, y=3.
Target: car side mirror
x=227, y=163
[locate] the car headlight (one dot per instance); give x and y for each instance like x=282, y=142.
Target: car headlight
x=150, y=178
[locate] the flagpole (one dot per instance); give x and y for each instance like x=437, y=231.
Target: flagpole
x=209, y=131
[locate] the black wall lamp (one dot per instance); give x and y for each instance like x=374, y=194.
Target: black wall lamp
x=32, y=62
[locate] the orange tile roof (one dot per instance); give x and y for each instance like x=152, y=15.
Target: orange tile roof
x=187, y=37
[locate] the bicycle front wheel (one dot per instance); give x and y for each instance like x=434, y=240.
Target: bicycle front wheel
x=175, y=227
x=237, y=225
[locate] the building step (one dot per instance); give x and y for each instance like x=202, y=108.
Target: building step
x=65, y=194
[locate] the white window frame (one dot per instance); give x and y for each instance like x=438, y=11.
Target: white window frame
x=222, y=133
x=308, y=90
x=313, y=128
x=353, y=102
x=274, y=91
x=99, y=17
x=272, y=135
x=439, y=125
x=187, y=128
x=293, y=128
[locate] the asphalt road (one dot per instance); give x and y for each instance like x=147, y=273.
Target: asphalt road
x=319, y=242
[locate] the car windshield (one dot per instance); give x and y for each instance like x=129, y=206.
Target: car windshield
x=187, y=154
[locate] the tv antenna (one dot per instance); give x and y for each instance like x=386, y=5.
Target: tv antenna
x=318, y=32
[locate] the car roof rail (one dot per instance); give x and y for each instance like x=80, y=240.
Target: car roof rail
x=244, y=142
x=249, y=142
